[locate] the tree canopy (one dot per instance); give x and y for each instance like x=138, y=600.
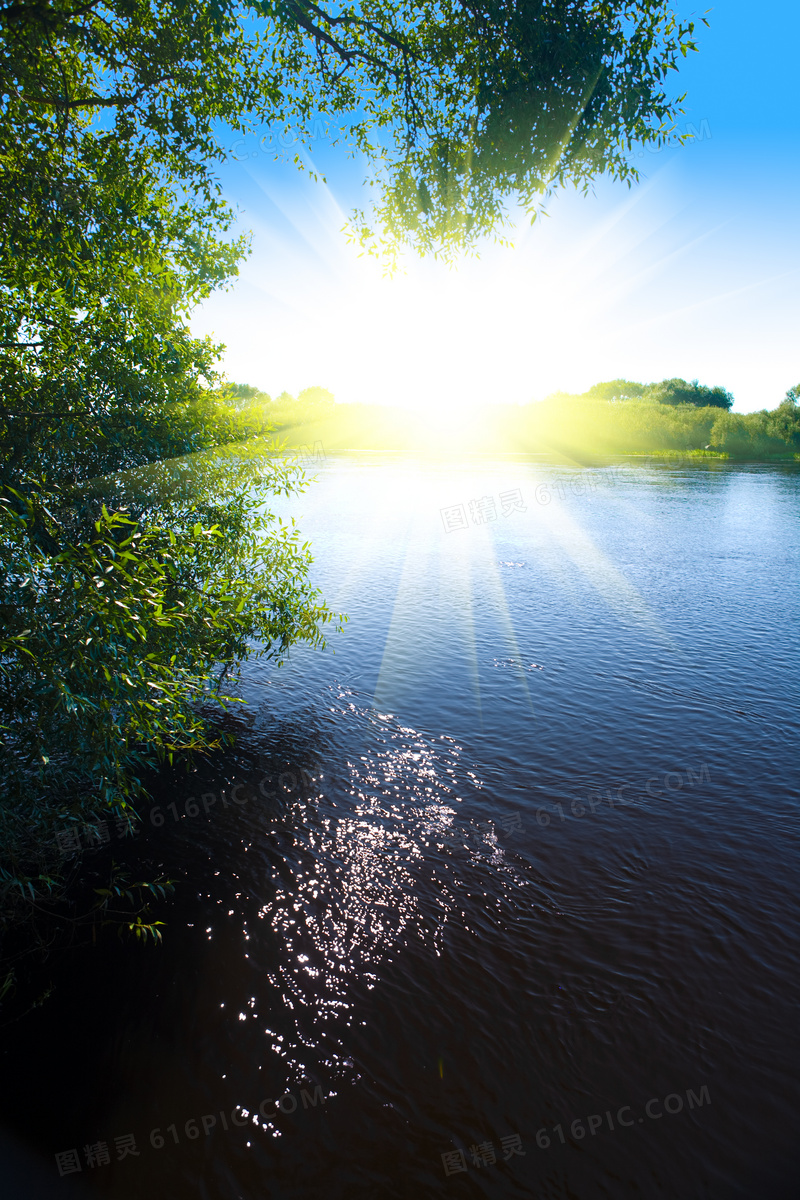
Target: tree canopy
x=319, y=396
x=616, y=389
x=668, y=391
x=461, y=106
x=678, y=391
x=139, y=561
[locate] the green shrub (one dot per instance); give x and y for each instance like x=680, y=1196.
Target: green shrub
x=111, y=645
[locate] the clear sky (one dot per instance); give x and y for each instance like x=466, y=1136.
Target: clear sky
x=695, y=272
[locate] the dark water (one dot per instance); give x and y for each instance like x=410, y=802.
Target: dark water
x=513, y=875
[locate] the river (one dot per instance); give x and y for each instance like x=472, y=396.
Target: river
x=500, y=899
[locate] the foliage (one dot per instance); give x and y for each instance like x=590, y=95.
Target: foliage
x=462, y=107
x=259, y=413
x=242, y=395
x=678, y=391
x=121, y=889
x=758, y=435
x=132, y=577
x=316, y=397
x=520, y=97
x=616, y=389
x=589, y=425
x=601, y=421
x=668, y=391
x=137, y=564
x=111, y=645
x=601, y=426
x=667, y=416
x=671, y=415
x=118, y=903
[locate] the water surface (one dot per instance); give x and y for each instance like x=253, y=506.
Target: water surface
x=516, y=862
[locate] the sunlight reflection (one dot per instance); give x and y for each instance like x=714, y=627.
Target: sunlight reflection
x=338, y=923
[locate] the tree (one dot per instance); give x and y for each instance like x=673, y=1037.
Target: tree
x=758, y=435
x=462, y=106
x=616, y=389
x=242, y=395
x=678, y=391
x=125, y=523
x=784, y=421
x=318, y=396
x=508, y=99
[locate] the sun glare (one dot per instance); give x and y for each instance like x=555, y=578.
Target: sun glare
x=552, y=311
x=442, y=342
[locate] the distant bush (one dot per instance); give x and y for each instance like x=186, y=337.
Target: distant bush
x=618, y=416
x=678, y=391
x=616, y=389
x=761, y=434
x=589, y=425
x=260, y=413
x=242, y=395
x=317, y=396
x=660, y=420
x=669, y=391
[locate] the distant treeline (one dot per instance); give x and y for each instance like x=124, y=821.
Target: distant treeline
x=668, y=391
x=615, y=417
x=624, y=417
x=247, y=399
x=605, y=420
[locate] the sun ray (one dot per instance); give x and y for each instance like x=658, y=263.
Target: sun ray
x=404, y=651
x=608, y=581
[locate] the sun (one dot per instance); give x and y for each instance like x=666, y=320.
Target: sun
x=559, y=309
x=443, y=341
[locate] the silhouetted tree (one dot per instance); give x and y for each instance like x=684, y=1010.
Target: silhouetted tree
x=317, y=396
x=616, y=389
x=678, y=391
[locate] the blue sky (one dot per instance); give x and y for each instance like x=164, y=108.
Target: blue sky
x=694, y=272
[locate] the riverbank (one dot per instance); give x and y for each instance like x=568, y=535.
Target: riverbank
x=574, y=430
x=475, y=879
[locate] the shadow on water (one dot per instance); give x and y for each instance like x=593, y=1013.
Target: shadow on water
x=410, y=952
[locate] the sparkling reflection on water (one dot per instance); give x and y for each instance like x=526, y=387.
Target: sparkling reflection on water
x=521, y=855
